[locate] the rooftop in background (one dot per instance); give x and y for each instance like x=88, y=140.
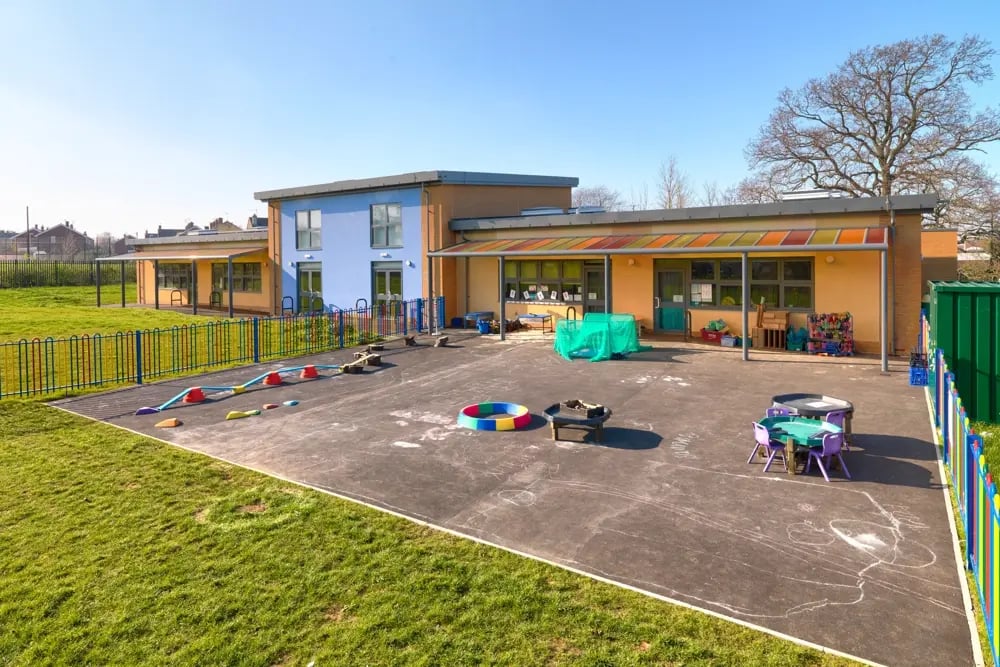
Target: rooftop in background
x=797, y=207
x=245, y=235
x=419, y=178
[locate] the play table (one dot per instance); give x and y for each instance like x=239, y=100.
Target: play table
x=560, y=415
x=541, y=318
x=817, y=406
x=797, y=432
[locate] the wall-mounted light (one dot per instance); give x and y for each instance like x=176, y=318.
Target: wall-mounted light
x=830, y=259
x=631, y=261
x=384, y=254
x=409, y=263
x=290, y=263
x=308, y=256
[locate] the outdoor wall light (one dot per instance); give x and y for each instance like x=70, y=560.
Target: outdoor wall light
x=631, y=261
x=308, y=256
x=384, y=254
x=830, y=259
x=409, y=263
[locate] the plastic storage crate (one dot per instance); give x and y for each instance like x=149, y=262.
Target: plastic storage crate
x=918, y=376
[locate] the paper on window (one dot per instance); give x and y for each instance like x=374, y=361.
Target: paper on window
x=592, y=295
x=554, y=295
x=706, y=291
x=678, y=298
x=512, y=294
x=527, y=294
x=566, y=296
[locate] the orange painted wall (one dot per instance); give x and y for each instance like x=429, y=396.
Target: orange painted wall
x=446, y=202
x=939, y=255
x=262, y=302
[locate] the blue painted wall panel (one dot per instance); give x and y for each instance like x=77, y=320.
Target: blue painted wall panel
x=346, y=253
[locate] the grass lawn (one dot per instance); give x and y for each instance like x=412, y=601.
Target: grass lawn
x=118, y=549
x=991, y=444
x=66, y=311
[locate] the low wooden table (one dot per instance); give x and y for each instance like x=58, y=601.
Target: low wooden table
x=559, y=416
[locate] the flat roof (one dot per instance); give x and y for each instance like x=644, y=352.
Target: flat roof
x=246, y=235
x=418, y=178
x=191, y=254
x=798, y=207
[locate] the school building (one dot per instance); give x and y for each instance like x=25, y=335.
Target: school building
x=511, y=244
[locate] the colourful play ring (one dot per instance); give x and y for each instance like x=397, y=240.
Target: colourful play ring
x=479, y=417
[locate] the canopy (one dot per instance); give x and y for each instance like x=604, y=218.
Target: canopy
x=220, y=253
x=788, y=240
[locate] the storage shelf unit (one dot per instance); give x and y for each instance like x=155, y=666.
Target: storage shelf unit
x=831, y=333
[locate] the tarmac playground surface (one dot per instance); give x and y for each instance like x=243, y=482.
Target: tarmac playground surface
x=667, y=504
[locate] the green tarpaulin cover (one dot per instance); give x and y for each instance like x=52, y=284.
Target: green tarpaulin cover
x=598, y=336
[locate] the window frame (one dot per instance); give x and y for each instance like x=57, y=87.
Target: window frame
x=243, y=274
x=314, y=229
x=780, y=282
x=383, y=229
x=174, y=276
x=562, y=285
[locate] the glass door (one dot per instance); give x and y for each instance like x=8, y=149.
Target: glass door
x=593, y=290
x=310, y=287
x=669, y=300
x=388, y=285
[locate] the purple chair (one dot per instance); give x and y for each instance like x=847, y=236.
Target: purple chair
x=832, y=444
x=777, y=412
x=774, y=448
x=837, y=418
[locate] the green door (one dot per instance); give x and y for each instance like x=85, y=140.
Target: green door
x=669, y=303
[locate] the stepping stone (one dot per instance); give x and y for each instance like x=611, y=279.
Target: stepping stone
x=271, y=406
x=173, y=422
x=289, y=404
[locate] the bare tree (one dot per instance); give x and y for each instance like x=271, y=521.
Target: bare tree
x=639, y=198
x=674, y=186
x=711, y=194
x=598, y=195
x=885, y=119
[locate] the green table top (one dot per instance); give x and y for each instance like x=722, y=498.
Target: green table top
x=801, y=431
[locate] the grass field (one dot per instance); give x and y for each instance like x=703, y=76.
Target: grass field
x=118, y=549
x=65, y=311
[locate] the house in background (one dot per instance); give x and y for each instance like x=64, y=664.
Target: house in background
x=163, y=232
x=335, y=244
x=60, y=242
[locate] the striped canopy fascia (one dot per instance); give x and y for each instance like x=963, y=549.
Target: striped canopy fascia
x=794, y=240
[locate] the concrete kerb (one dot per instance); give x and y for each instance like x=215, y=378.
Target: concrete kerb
x=970, y=607
x=371, y=504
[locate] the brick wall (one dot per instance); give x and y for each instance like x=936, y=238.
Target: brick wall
x=906, y=263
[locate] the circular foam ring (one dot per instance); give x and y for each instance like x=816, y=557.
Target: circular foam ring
x=478, y=416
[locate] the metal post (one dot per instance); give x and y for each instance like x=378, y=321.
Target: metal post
x=430, y=295
x=607, y=284
x=123, y=282
x=256, y=340
x=138, y=357
x=745, y=314
x=97, y=281
x=194, y=287
x=229, y=277
x=503, y=298
x=884, y=310
x=156, y=283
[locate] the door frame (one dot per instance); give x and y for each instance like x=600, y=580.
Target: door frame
x=310, y=267
x=684, y=267
x=590, y=265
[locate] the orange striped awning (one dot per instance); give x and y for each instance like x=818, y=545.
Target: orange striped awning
x=789, y=240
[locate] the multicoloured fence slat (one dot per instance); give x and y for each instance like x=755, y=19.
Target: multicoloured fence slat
x=49, y=365
x=973, y=488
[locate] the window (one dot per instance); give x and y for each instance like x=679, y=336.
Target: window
x=307, y=230
x=548, y=280
x=387, y=282
x=387, y=226
x=781, y=283
x=246, y=277
x=174, y=276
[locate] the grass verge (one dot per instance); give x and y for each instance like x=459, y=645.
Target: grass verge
x=72, y=311
x=118, y=549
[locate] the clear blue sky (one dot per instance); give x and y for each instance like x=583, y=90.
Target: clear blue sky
x=122, y=116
